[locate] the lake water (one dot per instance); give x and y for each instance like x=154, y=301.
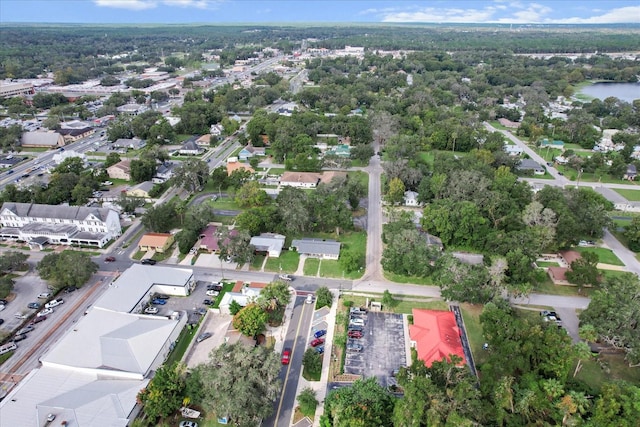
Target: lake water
x=623, y=91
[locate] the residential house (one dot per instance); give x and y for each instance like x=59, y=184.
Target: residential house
x=121, y=170
x=435, y=335
x=209, y=238
x=317, y=248
x=558, y=275
x=204, y=141
x=631, y=172
x=64, y=155
x=129, y=144
x=411, y=199
x=164, y=171
x=54, y=224
x=94, y=373
x=269, y=243
x=158, y=242
x=190, y=148
x=513, y=150
x=508, y=123
x=242, y=293
x=432, y=240
x=132, y=109
x=42, y=140
x=249, y=151
x=300, y=179
x=570, y=256
x=141, y=190
x=233, y=165
x=340, y=150
x=73, y=135
x=216, y=130
x=327, y=176
x=526, y=165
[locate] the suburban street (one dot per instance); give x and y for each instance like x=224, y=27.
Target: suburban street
x=373, y=266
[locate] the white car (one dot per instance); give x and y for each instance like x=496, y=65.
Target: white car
x=356, y=321
x=309, y=299
x=45, y=312
x=44, y=295
x=151, y=310
x=54, y=303
x=212, y=293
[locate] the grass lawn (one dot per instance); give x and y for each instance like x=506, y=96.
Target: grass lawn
x=471, y=316
x=226, y=287
x=184, y=339
x=608, y=274
x=605, y=256
x=622, y=222
x=548, y=154
x=547, y=264
x=311, y=266
x=225, y=203
x=256, y=263
x=547, y=287
x=594, y=375
x=398, y=278
x=138, y=255
x=288, y=262
x=496, y=124
x=276, y=171
x=572, y=175
x=5, y=357
x=631, y=195
x=404, y=307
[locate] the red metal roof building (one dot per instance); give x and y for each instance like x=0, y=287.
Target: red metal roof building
x=435, y=335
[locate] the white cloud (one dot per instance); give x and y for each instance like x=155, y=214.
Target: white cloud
x=623, y=15
x=150, y=4
x=127, y=4
x=431, y=14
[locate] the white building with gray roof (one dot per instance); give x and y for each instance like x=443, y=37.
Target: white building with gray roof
x=92, y=376
x=63, y=225
x=317, y=248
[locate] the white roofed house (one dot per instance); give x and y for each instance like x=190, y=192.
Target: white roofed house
x=411, y=199
x=527, y=165
x=269, y=243
x=164, y=171
x=65, y=225
x=42, y=139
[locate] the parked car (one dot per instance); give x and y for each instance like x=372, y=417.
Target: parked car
x=19, y=338
x=285, y=277
x=110, y=259
x=158, y=301
x=38, y=319
x=355, y=334
x=203, y=336
x=320, y=333
x=4, y=302
x=148, y=261
x=356, y=328
x=45, y=312
x=25, y=330
x=70, y=289
x=356, y=321
x=54, y=303
x=44, y=295
x=354, y=347
x=286, y=356
x=161, y=296
x=212, y=293
x=151, y=310
x=320, y=349
x=34, y=305
x=201, y=311
x=316, y=342
x=19, y=315
x=309, y=299
x=188, y=424
x=207, y=302
x=1, y=321
x=214, y=287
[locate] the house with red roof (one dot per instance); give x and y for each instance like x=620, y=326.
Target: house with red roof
x=435, y=335
x=209, y=238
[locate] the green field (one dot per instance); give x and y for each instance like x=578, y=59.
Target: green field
x=631, y=195
x=256, y=263
x=471, y=316
x=311, y=266
x=547, y=264
x=363, y=177
x=594, y=375
x=287, y=263
x=398, y=278
x=605, y=256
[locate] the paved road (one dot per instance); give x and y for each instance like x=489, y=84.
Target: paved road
x=290, y=374
x=625, y=255
x=373, y=267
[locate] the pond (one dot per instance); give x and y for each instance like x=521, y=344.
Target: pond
x=624, y=91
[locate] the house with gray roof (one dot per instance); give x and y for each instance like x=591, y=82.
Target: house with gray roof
x=317, y=248
x=191, y=148
x=527, y=165
x=39, y=224
x=269, y=243
x=129, y=144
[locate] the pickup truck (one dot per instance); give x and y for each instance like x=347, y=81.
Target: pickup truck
x=285, y=277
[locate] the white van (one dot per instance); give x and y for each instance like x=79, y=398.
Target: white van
x=54, y=303
x=8, y=347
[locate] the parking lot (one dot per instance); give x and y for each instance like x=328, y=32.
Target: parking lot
x=383, y=348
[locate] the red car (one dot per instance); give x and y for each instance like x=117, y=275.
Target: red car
x=286, y=356
x=316, y=342
x=109, y=259
x=355, y=334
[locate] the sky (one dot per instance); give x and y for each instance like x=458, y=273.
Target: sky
x=321, y=11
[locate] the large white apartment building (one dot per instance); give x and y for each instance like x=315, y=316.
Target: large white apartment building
x=42, y=224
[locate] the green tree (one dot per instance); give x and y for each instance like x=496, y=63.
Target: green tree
x=251, y=195
x=614, y=313
x=292, y=209
x=165, y=392
x=234, y=307
x=73, y=165
x=161, y=218
x=251, y=320
x=111, y=159
x=236, y=246
x=129, y=203
x=632, y=233
x=312, y=362
x=388, y=300
x=464, y=282
x=274, y=296
x=241, y=383
x=584, y=270
x=66, y=268
x=324, y=297
x=365, y=403
x=308, y=402
x=6, y=286
x=191, y=175
x=142, y=170
x=395, y=194
x=12, y=260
